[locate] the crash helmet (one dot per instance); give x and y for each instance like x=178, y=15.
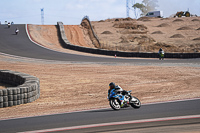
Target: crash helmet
x=112, y=85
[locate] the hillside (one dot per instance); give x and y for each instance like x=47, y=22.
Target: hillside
x=142, y=35
x=149, y=34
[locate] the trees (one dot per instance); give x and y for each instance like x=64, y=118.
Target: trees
x=146, y=6
x=138, y=6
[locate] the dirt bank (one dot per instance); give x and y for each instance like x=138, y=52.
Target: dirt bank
x=142, y=35
x=47, y=35
x=149, y=34
x=77, y=36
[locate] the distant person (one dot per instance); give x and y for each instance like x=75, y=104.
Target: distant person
x=12, y=23
x=8, y=24
x=161, y=54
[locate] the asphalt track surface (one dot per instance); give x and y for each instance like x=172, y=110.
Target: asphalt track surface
x=20, y=45
x=151, y=111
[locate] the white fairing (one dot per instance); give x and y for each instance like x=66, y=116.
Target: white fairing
x=133, y=100
x=120, y=89
x=126, y=98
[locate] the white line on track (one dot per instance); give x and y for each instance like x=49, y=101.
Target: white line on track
x=30, y=38
x=114, y=123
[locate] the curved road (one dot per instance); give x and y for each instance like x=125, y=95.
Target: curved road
x=20, y=45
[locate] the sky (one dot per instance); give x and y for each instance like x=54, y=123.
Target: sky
x=71, y=12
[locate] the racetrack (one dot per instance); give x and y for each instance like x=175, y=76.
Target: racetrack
x=20, y=45
x=148, y=116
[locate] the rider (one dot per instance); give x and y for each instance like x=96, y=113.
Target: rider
x=112, y=86
x=161, y=54
x=16, y=30
x=118, y=89
x=8, y=24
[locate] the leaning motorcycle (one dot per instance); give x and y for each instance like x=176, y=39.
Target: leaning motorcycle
x=118, y=101
x=16, y=31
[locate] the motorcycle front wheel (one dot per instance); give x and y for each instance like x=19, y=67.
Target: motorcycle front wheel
x=114, y=104
x=136, y=104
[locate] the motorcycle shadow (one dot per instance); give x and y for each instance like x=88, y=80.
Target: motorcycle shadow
x=107, y=110
x=103, y=110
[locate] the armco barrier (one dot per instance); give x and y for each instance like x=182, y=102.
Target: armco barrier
x=26, y=90
x=65, y=43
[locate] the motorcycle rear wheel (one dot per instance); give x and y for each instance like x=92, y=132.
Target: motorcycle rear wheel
x=114, y=104
x=136, y=104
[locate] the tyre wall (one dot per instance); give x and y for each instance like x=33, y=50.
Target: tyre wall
x=26, y=88
x=66, y=44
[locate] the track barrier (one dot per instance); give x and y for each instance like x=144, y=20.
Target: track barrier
x=66, y=44
x=26, y=88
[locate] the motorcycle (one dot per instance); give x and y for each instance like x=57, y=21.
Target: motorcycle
x=16, y=31
x=118, y=101
x=161, y=55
